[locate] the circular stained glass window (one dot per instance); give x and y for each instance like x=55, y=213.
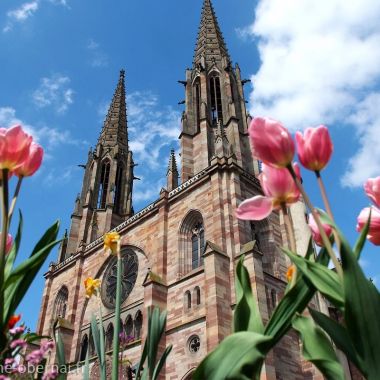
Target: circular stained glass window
x=194, y=344
x=130, y=266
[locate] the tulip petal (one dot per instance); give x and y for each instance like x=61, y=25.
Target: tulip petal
x=256, y=208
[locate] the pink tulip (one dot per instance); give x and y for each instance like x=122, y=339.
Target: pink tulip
x=374, y=227
x=271, y=142
x=315, y=230
x=9, y=243
x=279, y=189
x=372, y=189
x=14, y=147
x=32, y=162
x=314, y=147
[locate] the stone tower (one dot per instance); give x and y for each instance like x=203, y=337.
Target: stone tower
x=180, y=252
x=106, y=197
x=214, y=123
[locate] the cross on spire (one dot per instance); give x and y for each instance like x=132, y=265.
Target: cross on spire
x=210, y=43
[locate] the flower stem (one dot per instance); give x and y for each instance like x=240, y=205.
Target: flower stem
x=102, y=351
x=3, y=242
x=115, y=353
x=14, y=199
x=325, y=239
x=326, y=202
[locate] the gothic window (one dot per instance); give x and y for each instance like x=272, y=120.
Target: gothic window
x=83, y=348
x=216, y=99
x=273, y=297
x=109, y=337
x=197, y=100
x=138, y=324
x=187, y=300
x=197, y=245
x=255, y=234
x=103, y=184
x=191, y=242
x=128, y=326
x=118, y=188
x=197, y=292
x=130, y=267
x=60, y=304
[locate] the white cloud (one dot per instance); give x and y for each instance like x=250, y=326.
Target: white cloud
x=48, y=137
x=98, y=57
x=54, y=92
x=26, y=10
x=320, y=64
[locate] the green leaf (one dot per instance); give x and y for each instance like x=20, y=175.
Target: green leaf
x=161, y=362
x=95, y=335
x=339, y=335
x=20, y=284
x=361, y=313
x=295, y=300
x=239, y=356
x=60, y=350
x=317, y=348
x=246, y=316
x=86, y=372
x=324, y=279
x=11, y=257
x=358, y=247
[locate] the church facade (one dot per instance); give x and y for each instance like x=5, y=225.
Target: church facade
x=179, y=252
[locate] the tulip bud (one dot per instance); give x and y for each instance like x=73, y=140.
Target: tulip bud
x=314, y=148
x=372, y=189
x=32, y=162
x=14, y=147
x=271, y=142
x=374, y=227
x=317, y=237
x=9, y=243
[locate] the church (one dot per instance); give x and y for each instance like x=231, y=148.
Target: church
x=179, y=252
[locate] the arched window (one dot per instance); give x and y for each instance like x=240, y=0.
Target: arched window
x=109, y=337
x=118, y=188
x=83, y=348
x=129, y=326
x=273, y=297
x=138, y=325
x=197, y=292
x=216, y=99
x=60, y=303
x=187, y=299
x=191, y=242
x=197, y=101
x=103, y=184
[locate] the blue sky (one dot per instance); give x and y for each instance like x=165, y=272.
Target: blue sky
x=310, y=63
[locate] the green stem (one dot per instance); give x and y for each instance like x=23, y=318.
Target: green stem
x=4, y=234
x=115, y=355
x=327, y=205
x=14, y=199
x=102, y=345
x=292, y=240
x=325, y=239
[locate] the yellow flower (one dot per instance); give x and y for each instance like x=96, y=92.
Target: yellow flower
x=92, y=285
x=290, y=272
x=112, y=242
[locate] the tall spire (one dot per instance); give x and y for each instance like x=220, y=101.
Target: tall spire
x=114, y=130
x=210, y=43
x=172, y=173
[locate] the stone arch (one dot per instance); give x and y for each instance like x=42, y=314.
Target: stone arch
x=60, y=303
x=189, y=374
x=191, y=237
x=187, y=300
x=128, y=326
x=109, y=336
x=138, y=324
x=197, y=295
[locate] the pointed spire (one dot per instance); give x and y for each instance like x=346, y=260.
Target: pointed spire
x=210, y=42
x=172, y=173
x=115, y=124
